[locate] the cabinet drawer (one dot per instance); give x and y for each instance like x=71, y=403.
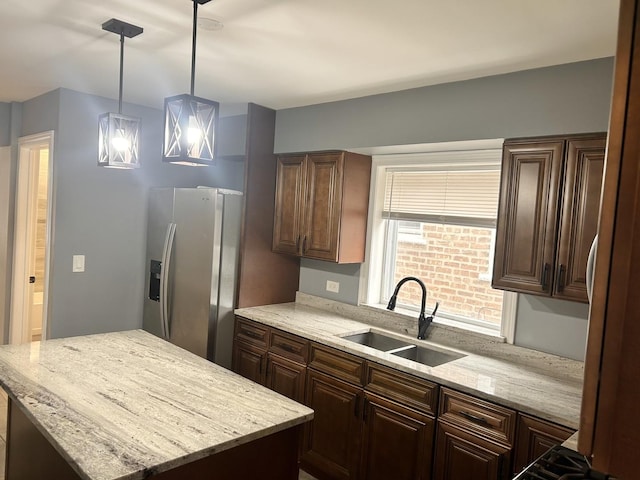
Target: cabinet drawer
x=289, y=346
x=489, y=420
x=406, y=389
x=251, y=332
x=336, y=363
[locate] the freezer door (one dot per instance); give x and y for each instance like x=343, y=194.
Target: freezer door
x=159, y=217
x=196, y=249
x=223, y=298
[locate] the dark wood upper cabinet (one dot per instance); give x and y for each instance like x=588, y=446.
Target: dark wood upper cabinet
x=290, y=202
x=579, y=220
x=321, y=206
x=547, y=217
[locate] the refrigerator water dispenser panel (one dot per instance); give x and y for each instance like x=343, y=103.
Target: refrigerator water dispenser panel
x=155, y=270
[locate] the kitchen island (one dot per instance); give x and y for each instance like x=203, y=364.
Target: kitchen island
x=129, y=405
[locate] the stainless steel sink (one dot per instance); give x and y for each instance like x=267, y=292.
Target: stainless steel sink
x=378, y=341
x=417, y=353
x=428, y=356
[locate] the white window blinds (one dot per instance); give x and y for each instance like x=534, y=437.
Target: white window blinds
x=453, y=196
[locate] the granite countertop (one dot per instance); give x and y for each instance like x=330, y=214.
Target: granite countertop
x=542, y=385
x=127, y=404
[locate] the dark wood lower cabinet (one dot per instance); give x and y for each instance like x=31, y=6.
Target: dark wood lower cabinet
x=331, y=442
x=249, y=361
x=461, y=455
x=286, y=377
x=397, y=442
x=535, y=437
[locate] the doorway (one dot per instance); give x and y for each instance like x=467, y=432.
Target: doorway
x=29, y=293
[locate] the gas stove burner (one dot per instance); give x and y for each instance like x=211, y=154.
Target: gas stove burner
x=561, y=463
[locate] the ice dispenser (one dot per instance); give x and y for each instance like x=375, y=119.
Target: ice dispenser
x=155, y=270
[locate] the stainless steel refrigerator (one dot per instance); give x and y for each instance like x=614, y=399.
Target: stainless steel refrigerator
x=193, y=237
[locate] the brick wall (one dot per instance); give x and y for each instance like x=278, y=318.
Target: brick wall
x=450, y=262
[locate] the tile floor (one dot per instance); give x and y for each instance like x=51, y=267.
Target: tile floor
x=3, y=437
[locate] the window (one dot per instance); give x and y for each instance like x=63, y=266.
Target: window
x=436, y=220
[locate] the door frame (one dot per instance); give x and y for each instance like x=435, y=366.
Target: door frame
x=25, y=208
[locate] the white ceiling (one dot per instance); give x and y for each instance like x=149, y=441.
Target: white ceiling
x=285, y=53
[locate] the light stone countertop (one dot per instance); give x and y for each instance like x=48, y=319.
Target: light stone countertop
x=542, y=385
x=126, y=404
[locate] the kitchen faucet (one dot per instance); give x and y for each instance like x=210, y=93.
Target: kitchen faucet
x=423, y=323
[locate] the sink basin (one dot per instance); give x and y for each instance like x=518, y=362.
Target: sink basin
x=378, y=341
x=400, y=348
x=428, y=356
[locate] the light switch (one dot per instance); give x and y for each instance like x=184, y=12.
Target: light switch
x=78, y=263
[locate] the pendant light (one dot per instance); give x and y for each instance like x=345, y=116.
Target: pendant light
x=190, y=122
x=119, y=135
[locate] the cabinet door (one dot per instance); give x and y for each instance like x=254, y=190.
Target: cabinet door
x=579, y=220
x=286, y=377
x=249, y=361
x=289, y=204
x=324, y=201
x=332, y=440
x=535, y=437
x=526, y=232
x=463, y=456
x=397, y=442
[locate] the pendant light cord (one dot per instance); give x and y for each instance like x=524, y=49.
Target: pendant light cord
x=193, y=46
x=121, y=69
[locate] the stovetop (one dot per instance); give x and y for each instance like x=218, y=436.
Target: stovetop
x=561, y=463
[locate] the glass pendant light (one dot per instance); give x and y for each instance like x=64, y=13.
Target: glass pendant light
x=119, y=135
x=190, y=122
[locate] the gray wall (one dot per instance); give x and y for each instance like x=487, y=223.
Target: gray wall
x=5, y=124
x=8, y=171
x=569, y=98
x=559, y=325
x=315, y=273
x=101, y=213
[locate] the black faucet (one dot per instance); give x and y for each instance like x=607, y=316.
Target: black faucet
x=423, y=323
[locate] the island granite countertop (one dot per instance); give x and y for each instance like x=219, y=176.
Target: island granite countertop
x=127, y=404
x=543, y=385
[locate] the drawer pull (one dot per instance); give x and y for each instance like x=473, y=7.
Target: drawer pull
x=287, y=347
x=251, y=334
x=474, y=418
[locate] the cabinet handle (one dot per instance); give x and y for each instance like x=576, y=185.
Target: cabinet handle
x=304, y=244
x=545, y=277
x=365, y=414
x=298, y=244
x=474, y=418
x=251, y=334
x=286, y=347
x=560, y=280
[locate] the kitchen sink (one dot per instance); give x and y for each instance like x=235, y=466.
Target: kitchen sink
x=378, y=341
x=417, y=353
x=428, y=356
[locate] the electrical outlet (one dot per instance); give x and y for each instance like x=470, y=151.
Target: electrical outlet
x=78, y=263
x=333, y=286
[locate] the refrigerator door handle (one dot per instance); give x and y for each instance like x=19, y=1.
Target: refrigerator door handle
x=164, y=279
